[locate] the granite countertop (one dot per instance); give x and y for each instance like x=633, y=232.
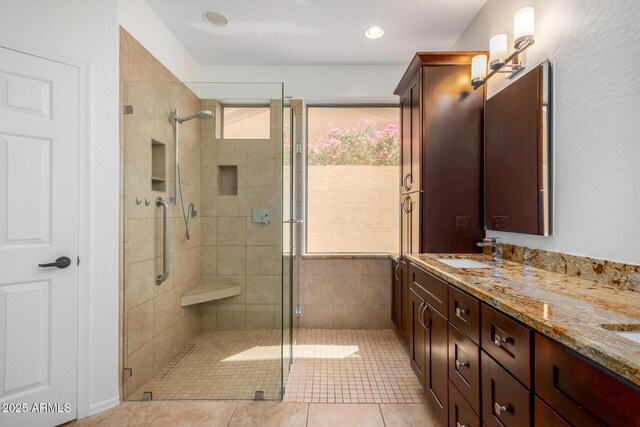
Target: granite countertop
x=568, y=309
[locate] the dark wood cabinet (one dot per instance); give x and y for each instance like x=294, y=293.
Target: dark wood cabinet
x=417, y=336
x=508, y=342
x=441, y=153
x=505, y=402
x=580, y=392
x=460, y=412
x=464, y=313
x=477, y=367
x=546, y=417
x=464, y=366
x=436, y=376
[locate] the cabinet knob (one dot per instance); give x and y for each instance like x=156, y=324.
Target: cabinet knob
x=461, y=425
x=498, y=409
x=460, y=364
x=498, y=340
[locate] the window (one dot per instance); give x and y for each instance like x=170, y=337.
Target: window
x=353, y=158
x=246, y=123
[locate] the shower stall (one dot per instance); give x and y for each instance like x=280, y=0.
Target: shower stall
x=208, y=276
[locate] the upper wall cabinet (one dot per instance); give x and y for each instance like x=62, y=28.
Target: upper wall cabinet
x=517, y=146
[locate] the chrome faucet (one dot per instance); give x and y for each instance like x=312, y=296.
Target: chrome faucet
x=491, y=242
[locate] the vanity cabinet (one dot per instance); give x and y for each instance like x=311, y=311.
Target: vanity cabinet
x=400, y=297
x=479, y=366
x=428, y=338
x=580, y=392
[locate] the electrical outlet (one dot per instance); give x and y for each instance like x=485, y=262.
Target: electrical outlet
x=463, y=224
x=499, y=223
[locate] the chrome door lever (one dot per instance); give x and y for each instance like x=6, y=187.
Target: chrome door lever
x=294, y=221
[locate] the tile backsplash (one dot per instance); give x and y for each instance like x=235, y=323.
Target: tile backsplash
x=620, y=275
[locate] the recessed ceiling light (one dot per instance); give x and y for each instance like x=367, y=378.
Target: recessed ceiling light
x=374, y=32
x=215, y=18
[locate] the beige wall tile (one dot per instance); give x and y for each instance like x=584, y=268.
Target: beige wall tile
x=376, y=290
x=162, y=349
x=230, y=259
x=318, y=290
x=346, y=289
x=230, y=231
x=347, y=316
x=261, y=234
x=376, y=316
x=139, y=326
x=208, y=260
x=230, y=317
x=231, y=205
x=262, y=260
x=141, y=363
x=260, y=316
x=165, y=312
x=261, y=173
x=232, y=149
x=140, y=283
x=235, y=280
x=261, y=289
x=181, y=262
x=317, y=316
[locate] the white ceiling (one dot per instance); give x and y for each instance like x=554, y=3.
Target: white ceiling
x=285, y=32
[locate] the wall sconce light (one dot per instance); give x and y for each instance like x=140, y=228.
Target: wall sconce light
x=499, y=60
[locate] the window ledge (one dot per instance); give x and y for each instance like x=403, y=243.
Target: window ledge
x=346, y=256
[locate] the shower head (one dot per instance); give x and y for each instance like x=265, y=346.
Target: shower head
x=201, y=114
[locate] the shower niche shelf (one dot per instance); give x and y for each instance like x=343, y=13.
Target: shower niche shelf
x=227, y=180
x=158, y=166
x=205, y=293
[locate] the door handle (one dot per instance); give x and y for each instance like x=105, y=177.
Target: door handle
x=293, y=221
x=61, y=262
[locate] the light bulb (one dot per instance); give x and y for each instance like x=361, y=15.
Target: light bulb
x=523, y=26
x=478, y=69
x=497, y=51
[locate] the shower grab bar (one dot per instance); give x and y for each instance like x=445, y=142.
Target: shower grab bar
x=165, y=240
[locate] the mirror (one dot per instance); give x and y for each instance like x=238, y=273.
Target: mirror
x=517, y=163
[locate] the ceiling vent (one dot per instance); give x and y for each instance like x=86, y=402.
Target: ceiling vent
x=216, y=19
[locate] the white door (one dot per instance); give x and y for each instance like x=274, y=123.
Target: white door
x=39, y=137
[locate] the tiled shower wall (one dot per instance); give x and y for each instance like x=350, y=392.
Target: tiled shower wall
x=234, y=249
x=345, y=293
x=156, y=326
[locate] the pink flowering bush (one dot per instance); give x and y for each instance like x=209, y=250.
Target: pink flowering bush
x=362, y=145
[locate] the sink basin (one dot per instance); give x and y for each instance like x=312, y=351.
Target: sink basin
x=628, y=331
x=630, y=335
x=463, y=263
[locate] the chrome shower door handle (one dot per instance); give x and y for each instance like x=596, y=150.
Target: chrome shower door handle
x=294, y=221
x=165, y=241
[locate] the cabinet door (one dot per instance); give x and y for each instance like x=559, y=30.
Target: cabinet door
x=405, y=134
x=416, y=140
x=405, y=224
x=417, y=336
x=396, y=294
x=404, y=311
x=436, y=373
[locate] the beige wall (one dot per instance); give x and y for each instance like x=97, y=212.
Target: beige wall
x=155, y=326
x=345, y=293
x=235, y=250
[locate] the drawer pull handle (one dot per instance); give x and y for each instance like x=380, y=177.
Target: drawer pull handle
x=460, y=364
x=395, y=272
x=460, y=312
x=498, y=340
x=461, y=425
x=498, y=409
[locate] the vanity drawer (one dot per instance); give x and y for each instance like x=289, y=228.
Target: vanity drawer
x=460, y=412
x=433, y=290
x=508, y=342
x=543, y=416
x=580, y=392
x=464, y=366
x=464, y=313
x=505, y=402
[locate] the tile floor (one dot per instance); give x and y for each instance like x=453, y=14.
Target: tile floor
x=341, y=377
x=352, y=366
x=262, y=414
x=220, y=365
